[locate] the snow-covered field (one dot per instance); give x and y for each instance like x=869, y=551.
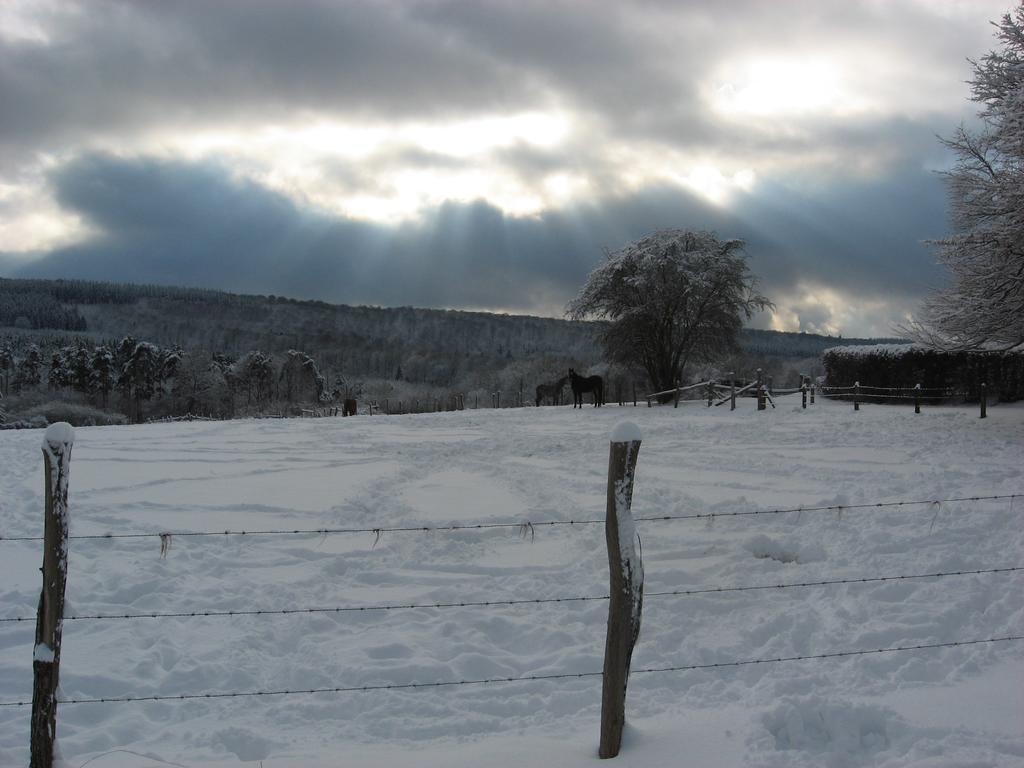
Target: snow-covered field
x=960, y=706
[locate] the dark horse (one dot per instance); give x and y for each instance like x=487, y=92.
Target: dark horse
x=581, y=384
x=551, y=391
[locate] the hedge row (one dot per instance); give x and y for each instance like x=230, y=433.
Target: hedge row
x=904, y=365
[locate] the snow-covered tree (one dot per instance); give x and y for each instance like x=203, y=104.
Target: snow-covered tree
x=300, y=377
x=29, y=372
x=6, y=365
x=58, y=376
x=140, y=374
x=102, y=377
x=255, y=374
x=79, y=364
x=671, y=297
x=983, y=306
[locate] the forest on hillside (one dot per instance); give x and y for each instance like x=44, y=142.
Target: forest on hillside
x=147, y=351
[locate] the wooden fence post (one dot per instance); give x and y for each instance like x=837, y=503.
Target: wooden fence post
x=984, y=399
x=634, y=394
x=626, y=591
x=677, y=395
x=57, y=442
x=761, y=404
x=917, y=398
x=803, y=396
x=813, y=387
x=732, y=396
x=711, y=392
x=856, y=396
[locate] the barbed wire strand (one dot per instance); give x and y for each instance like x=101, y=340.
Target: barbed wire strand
x=890, y=389
x=518, y=525
x=521, y=601
x=524, y=678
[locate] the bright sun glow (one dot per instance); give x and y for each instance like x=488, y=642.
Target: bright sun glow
x=317, y=160
x=778, y=87
x=711, y=183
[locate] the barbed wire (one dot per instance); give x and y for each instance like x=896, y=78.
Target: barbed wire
x=892, y=397
x=520, y=601
x=524, y=678
x=889, y=389
x=525, y=525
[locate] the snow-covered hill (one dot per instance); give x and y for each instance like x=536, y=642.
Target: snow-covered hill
x=939, y=707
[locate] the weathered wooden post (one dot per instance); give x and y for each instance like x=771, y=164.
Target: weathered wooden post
x=711, y=392
x=803, y=396
x=626, y=591
x=732, y=395
x=917, y=398
x=761, y=404
x=856, y=396
x=634, y=394
x=984, y=399
x=57, y=442
x=813, y=387
x=677, y=395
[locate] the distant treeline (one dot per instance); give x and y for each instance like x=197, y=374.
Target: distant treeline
x=430, y=345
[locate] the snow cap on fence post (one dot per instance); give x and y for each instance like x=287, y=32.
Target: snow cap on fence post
x=626, y=577
x=57, y=442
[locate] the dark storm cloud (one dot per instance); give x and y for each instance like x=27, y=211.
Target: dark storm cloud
x=192, y=223
x=116, y=65
x=112, y=66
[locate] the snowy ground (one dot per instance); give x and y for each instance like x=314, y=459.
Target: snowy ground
x=947, y=707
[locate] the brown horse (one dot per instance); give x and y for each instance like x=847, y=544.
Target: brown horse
x=582, y=384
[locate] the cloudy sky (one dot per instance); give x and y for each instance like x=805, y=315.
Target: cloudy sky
x=484, y=155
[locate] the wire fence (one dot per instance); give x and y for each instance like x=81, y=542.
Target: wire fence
x=525, y=678
x=519, y=601
x=526, y=528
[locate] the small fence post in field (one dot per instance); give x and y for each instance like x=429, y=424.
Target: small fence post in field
x=626, y=593
x=711, y=392
x=917, y=398
x=803, y=396
x=57, y=442
x=984, y=399
x=634, y=394
x=813, y=386
x=856, y=396
x=732, y=395
x=677, y=396
x=761, y=404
